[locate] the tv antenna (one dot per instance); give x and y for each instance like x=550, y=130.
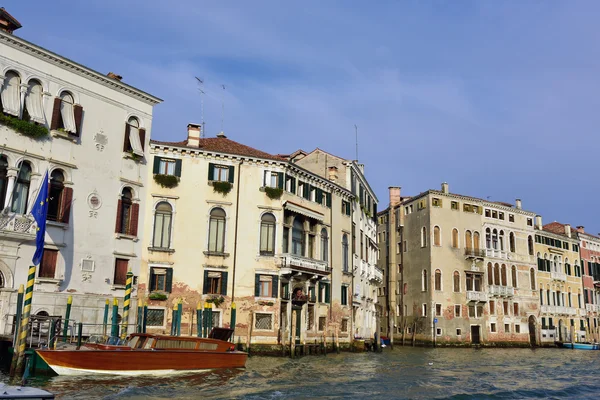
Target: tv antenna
x=202, y=93
x=222, y=107
x=356, y=134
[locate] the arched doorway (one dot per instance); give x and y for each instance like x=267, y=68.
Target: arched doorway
x=532, y=331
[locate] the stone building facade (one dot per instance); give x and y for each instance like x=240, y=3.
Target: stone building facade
x=589, y=248
x=91, y=132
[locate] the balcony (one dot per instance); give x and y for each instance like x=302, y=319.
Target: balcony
x=592, y=307
x=493, y=253
x=474, y=254
x=504, y=291
x=303, y=264
x=571, y=311
x=364, y=268
x=377, y=276
x=558, y=276
x=476, y=296
x=17, y=227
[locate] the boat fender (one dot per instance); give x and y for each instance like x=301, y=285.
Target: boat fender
x=231, y=348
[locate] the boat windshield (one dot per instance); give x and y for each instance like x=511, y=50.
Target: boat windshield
x=115, y=341
x=97, y=339
x=134, y=342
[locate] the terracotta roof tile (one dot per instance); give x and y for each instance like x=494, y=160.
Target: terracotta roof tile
x=555, y=227
x=223, y=145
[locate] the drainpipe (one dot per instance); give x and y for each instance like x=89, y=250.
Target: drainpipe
x=402, y=316
x=237, y=213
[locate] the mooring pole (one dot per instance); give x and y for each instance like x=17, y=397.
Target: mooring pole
x=105, y=319
x=114, y=329
x=233, y=321
x=25, y=322
x=67, y=316
x=126, y=302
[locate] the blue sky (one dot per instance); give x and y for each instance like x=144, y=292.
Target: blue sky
x=498, y=98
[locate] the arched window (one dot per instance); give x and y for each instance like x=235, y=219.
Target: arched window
x=11, y=94
x=57, y=186
x=67, y=113
x=163, y=216
x=511, y=239
x=125, y=212
x=455, y=238
x=488, y=238
x=324, y=245
x=496, y=274
x=3, y=180
x=495, y=239
x=34, y=110
x=456, y=281
x=555, y=264
x=298, y=237
x=530, y=245
x=438, y=279
x=437, y=240
x=424, y=281
x=504, y=278
x=423, y=237
x=133, y=140
x=514, y=276
x=216, y=232
x=532, y=278
x=2, y=281
x=468, y=240
x=501, y=240
x=476, y=241
x=490, y=273
x=267, y=234
x=21, y=191
x=345, y=253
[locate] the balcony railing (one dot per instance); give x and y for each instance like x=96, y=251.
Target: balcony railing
x=558, y=276
x=570, y=310
x=474, y=253
x=364, y=268
x=293, y=261
x=476, y=296
x=377, y=275
x=592, y=307
x=496, y=253
x=17, y=225
x=505, y=291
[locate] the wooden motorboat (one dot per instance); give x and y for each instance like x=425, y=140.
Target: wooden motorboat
x=148, y=354
x=580, y=346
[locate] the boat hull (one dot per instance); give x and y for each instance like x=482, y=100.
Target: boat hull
x=581, y=346
x=139, y=362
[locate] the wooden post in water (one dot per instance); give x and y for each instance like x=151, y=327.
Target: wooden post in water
x=17, y=324
x=67, y=317
x=293, y=335
x=114, y=328
x=325, y=342
x=413, y=333
x=403, y=332
x=249, y=339
x=199, y=318
x=105, y=319
x=25, y=322
x=337, y=340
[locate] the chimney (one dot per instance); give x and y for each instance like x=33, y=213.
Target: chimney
x=568, y=230
x=394, y=195
x=193, y=135
x=8, y=23
x=114, y=76
x=580, y=229
x=538, y=222
x=445, y=188
x=333, y=174
x=361, y=167
x=221, y=135
x=518, y=204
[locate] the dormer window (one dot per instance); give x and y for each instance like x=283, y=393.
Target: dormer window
x=134, y=137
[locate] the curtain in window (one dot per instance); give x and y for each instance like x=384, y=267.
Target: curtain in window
x=10, y=94
x=267, y=234
x=216, y=233
x=21, y=191
x=134, y=137
x=67, y=113
x=33, y=102
x=162, y=225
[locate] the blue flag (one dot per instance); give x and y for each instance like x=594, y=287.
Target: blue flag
x=39, y=212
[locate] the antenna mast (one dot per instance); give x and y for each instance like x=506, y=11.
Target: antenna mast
x=222, y=107
x=356, y=134
x=202, y=93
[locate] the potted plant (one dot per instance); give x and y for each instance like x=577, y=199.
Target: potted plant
x=166, y=181
x=222, y=187
x=273, y=193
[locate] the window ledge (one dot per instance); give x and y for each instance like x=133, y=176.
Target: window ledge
x=133, y=156
x=347, y=273
x=262, y=298
x=126, y=237
x=266, y=255
x=52, y=281
x=210, y=183
x=64, y=135
x=216, y=254
x=117, y=287
x=57, y=224
x=161, y=250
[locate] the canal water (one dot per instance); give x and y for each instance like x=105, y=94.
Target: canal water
x=414, y=373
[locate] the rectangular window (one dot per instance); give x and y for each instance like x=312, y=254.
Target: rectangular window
x=517, y=328
x=274, y=180
x=501, y=216
x=161, y=279
x=310, y=324
x=155, y=317
x=511, y=218
x=344, y=295
x=467, y=208
x=344, y=327
x=506, y=308
x=48, y=264
x=488, y=213
x=438, y=331
x=438, y=310
x=495, y=214
x=424, y=310
x=322, y=323
x=121, y=267
x=506, y=328
x=166, y=166
x=436, y=202
x=458, y=332
x=398, y=248
x=493, y=327
x=529, y=222
x=220, y=173
x=215, y=282
x=479, y=310
x=492, y=307
x=457, y=308
x=263, y=321
x=454, y=205
x=265, y=286
x=516, y=309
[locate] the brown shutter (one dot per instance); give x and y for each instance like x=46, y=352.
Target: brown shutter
x=142, y=137
x=133, y=224
x=48, y=267
x=118, y=225
x=55, y=121
x=120, y=271
x=126, y=144
x=78, y=113
x=65, y=205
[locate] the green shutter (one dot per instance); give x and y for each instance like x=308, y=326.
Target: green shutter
x=265, y=179
x=293, y=185
x=152, y=285
x=275, y=286
x=211, y=171
x=169, y=280
x=224, y=283
x=156, y=168
x=281, y=180
x=328, y=199
x=320, y=296
x=306, y=190
x=327, y=293
x=205, y=287
x=257, y=285
x=231, y=173
x=319, y=196
x=178, y=168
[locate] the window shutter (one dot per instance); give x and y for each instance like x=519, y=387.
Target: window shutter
x=265, y=173
x=142, y=133
x=319, y=195
x=126, y=143
x=55, y=121
x=307, y=190
x=256, y=285
x=205, y=287
x=313, y=296
x=152, y=283
x=231, y=173
x=275, y=286
x=178, y=168
x=156, y=166
x=118, y=224
x=224, y=283
x=328, y=199
x=135, y=211
x=211, y=171
x=327, y=293
x=320, y=291
x=293, y=185
x=281, y=178
x=169, y=280
x=65, y=205
x=78, y=114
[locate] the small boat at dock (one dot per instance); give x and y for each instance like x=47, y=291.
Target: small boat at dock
x=146, y=353
x=579, y=346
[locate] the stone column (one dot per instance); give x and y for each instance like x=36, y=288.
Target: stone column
x=12, y=176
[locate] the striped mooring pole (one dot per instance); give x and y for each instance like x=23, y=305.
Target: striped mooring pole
x=17, y=324
x=126, y=302
x=179, y=314
x=205, y=324
x=25, y=322
x=67, y=317
x=199, y=318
